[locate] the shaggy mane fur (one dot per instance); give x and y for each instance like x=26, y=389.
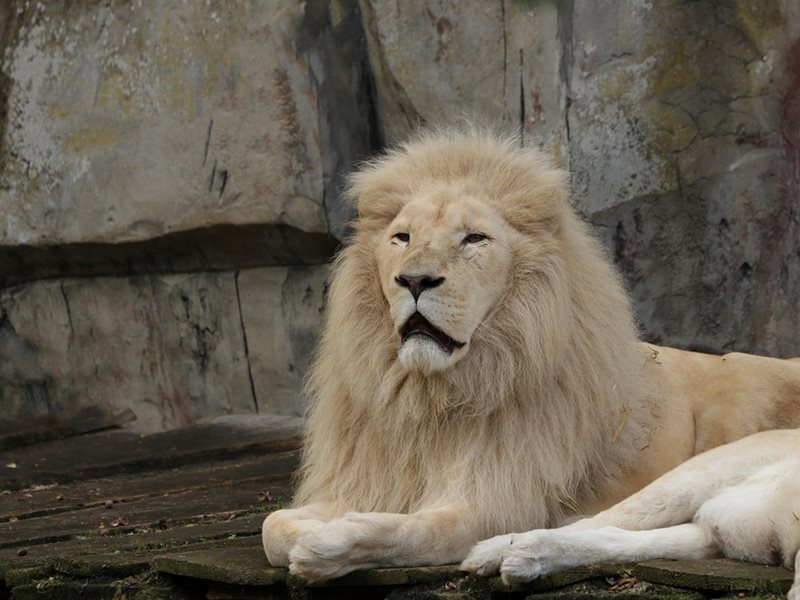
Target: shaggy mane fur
x=546, y=406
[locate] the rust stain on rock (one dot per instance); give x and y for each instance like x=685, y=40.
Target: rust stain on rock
x=536, y=106
x=444, y=28
x=776, y=230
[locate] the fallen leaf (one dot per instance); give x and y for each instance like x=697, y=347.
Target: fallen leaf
x=623, y=583
x=119, y=521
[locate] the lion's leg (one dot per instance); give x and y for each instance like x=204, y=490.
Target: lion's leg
x=537, y=553
x=675, y=497
x=656, y=507
x=362, y=540
x=671, y=500
x=282, y=528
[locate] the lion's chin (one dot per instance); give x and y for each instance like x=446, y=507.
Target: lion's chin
x=421, y=353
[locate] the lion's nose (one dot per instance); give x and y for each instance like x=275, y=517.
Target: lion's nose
x=417, y=284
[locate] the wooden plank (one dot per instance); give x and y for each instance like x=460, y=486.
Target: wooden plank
x=44, y=500
x=66, y=588
x=212, y=503
x=115, y=452
x=138, y=561
x=716, y=574
x=246, y=566
x=118, y=549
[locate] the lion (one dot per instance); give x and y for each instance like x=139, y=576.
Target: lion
x=480, y=370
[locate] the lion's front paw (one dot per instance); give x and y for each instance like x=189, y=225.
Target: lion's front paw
x=280, y=531
x=532, y=555
x=518, y=557
x=485, y=557
x=316, y=557
x=519, y=567
x=794, y=593
x=339, y=547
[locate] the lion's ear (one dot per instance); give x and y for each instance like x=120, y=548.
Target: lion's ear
x=539, y=208
x=375, y=194
x=378, y=207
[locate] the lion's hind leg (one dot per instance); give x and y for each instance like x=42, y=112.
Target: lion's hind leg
x=670, y=501
x=657, y=511
x=676, y=496
x=654, y=519
x=527, y=556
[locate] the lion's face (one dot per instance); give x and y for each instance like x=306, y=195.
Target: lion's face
x=444, y=262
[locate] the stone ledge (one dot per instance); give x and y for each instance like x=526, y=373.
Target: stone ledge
x=217, y=248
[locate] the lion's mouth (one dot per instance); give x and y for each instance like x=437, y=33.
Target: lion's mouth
x=419, y=325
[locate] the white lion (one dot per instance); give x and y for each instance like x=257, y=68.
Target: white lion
x=480, y=371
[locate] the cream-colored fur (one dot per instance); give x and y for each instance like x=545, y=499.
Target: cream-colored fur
x=545, y=405
x=741, y=500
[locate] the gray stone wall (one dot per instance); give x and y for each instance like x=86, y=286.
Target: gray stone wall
x=679, y=122
x=169, y=200
x=170, y=174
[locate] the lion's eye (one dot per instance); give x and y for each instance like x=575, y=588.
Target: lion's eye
x=474, y=238
x=401, y=237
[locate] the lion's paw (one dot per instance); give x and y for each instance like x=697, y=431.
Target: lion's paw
x=316, y=560
x=280, y=531
x=519, y=569
x=794, y=593
x=333, y=550
x=517, y=557
x=533, y=554
x=486, y=556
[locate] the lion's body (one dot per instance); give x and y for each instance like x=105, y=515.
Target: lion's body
x=704, y=401
x=549, y=407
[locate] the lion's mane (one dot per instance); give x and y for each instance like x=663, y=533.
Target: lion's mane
x=545, y=407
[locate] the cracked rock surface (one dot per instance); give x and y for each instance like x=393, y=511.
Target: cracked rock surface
x=170, y=174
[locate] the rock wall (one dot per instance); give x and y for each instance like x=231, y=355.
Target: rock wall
x=169, y=200
x=170, y=174
x=173, y=348
x=679, y=122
